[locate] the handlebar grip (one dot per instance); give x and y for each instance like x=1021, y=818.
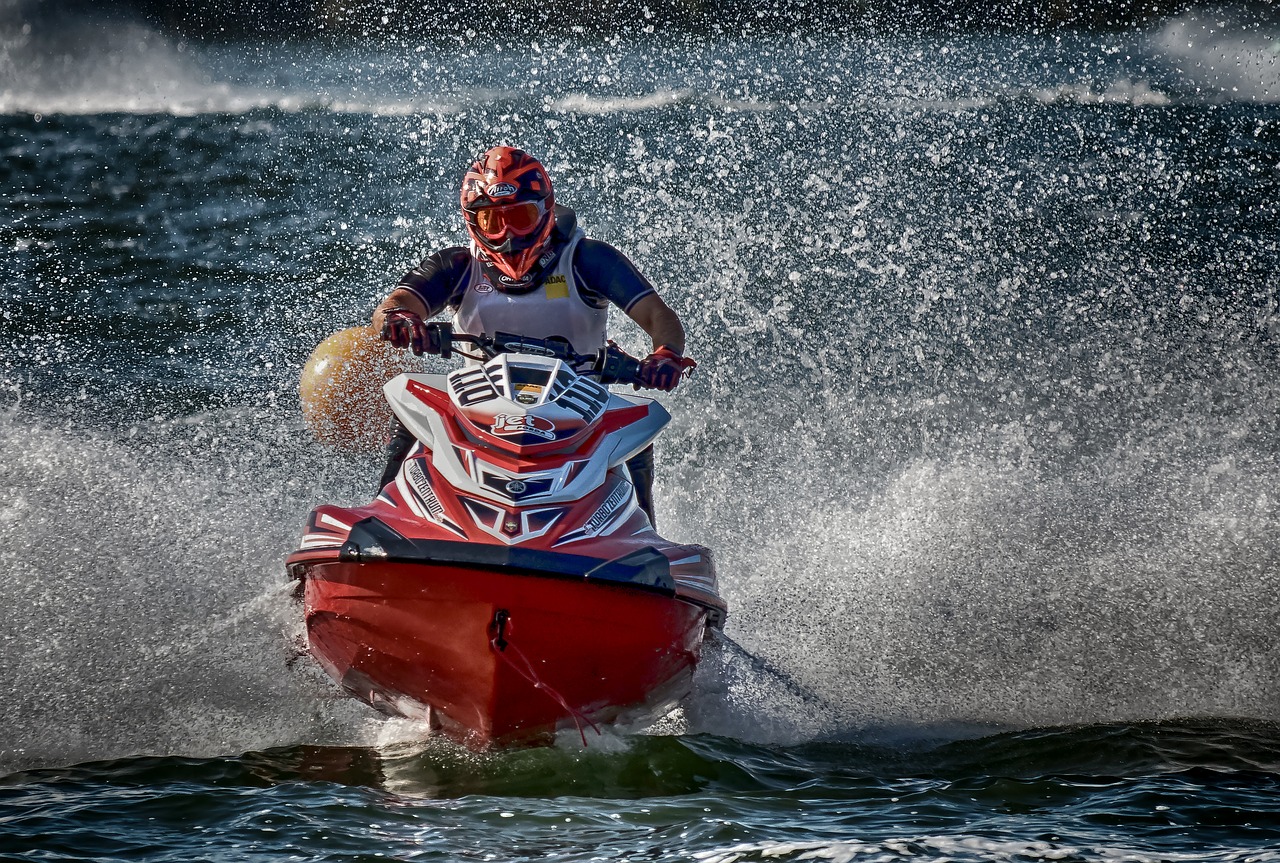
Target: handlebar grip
x=440, y=339
x=614, y=366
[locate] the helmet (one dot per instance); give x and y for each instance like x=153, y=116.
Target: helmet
x=509, y=209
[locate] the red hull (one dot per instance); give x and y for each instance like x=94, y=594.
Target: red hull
x=498, y=657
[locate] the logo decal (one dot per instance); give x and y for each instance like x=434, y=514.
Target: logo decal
x=505, y=424
x=509, y=282
x=500, y=190
x=484, y=286
x=521, y=347
x=557, y=287
x=422, y=486
x=516, y=487
x=607, y=510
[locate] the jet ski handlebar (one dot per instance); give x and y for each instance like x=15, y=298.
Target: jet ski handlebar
x=610, y=364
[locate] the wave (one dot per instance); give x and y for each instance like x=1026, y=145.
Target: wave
x=966, y=847
x=1121, y=92
x=146, y=609
x=81, y=64
x=1224, y=55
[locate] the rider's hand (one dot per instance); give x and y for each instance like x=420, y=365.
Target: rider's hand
x=404, y=329
x=664, y=368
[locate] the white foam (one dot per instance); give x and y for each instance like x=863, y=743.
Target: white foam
x=1224, y=55
x=146, y=605
x=978, y=587
x=968, y=848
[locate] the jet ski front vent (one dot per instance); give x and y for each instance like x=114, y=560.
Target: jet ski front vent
x=585, y=398
x=473, y=385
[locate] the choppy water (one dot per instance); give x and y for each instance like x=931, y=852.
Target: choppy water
x=984, y=434
x=1174, y=792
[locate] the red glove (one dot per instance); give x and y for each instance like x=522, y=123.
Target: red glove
x=664, y=368
x=404, y=329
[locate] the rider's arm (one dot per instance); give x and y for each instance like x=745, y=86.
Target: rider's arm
x=429, y=287
x=661, y=323
x=606, y=275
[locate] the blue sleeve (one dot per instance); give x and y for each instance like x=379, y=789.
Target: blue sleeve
x=605, y=275
x=440, y=279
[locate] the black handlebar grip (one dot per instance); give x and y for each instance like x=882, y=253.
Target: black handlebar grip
x=440, y=339
x=616, y=367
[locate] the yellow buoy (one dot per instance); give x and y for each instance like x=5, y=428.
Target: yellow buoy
x=341, y=389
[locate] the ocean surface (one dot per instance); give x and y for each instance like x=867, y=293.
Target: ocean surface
x=985, y=434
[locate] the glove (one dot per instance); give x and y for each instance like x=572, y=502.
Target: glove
x=663, y=369
x=404, y=329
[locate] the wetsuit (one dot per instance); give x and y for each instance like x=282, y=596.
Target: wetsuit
x=567, y=293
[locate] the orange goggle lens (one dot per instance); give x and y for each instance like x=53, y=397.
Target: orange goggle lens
x=518, y=219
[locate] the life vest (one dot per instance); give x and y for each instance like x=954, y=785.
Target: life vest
x=552, y=308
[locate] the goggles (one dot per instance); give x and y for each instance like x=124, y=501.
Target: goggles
x=511, y=219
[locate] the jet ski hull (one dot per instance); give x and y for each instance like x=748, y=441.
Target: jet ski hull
x=494, y=657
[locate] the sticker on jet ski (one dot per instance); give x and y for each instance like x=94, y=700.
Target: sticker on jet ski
x=510, y=424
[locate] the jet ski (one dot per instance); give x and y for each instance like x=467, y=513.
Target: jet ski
x=506, y=585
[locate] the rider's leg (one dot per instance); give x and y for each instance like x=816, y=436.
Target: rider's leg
x=640, y=466
x=398, y=446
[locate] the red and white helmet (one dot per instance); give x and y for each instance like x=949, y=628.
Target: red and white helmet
x=509, y=208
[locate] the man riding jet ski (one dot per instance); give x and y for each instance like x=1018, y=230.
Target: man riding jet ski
x=507, y=579
x=530, y=271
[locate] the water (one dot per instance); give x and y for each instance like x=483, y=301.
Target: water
x=1175, y=792
x=984, y=433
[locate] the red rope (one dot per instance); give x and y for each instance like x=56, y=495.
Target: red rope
x=501, y=641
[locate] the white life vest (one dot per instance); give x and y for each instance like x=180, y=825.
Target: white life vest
x=553, y=308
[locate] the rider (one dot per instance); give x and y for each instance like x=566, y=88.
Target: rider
x=530, y=271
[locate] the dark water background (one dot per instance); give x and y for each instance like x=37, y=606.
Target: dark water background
x=984, y=434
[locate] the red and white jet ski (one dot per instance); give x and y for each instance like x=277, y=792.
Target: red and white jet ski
x=506, y=584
